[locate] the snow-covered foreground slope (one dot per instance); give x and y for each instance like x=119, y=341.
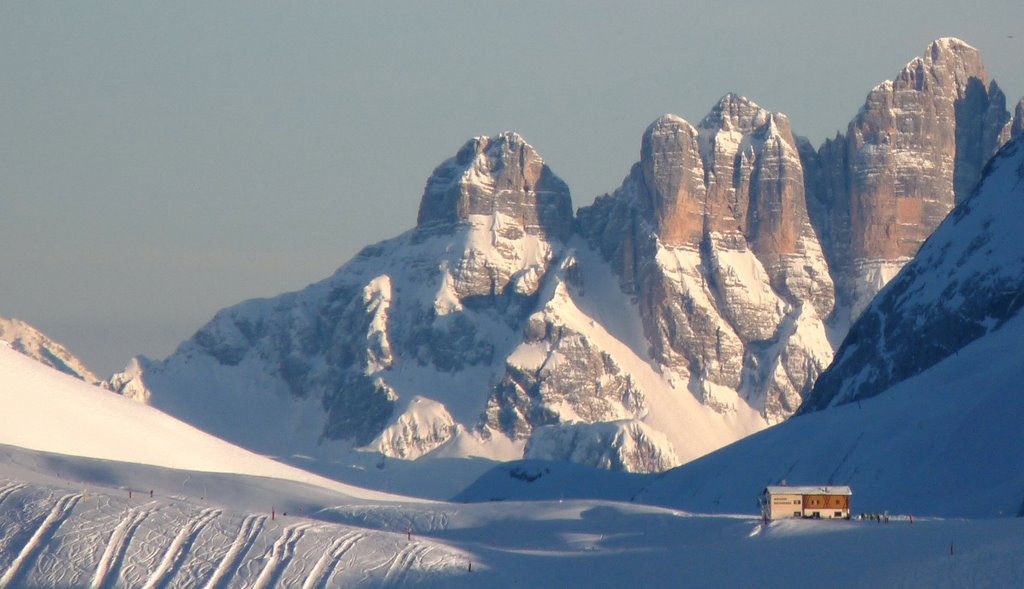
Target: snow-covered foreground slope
x=74, y=521
x=57, y=531
x=46, y=410
x=946, y=442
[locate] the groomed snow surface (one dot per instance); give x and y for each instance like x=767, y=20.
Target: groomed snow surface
x=78, y=518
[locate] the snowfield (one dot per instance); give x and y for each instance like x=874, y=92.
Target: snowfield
x=85, y=535
x=82, y=505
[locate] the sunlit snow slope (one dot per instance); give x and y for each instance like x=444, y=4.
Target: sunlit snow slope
x=44, y=409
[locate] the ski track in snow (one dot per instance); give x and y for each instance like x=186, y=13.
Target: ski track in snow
x=250, y=528
x=280, y=554
x=113, y=555
x=179, y=547
x=324, y=567
x=404, y=561
x=6, y=490
x=58, y=513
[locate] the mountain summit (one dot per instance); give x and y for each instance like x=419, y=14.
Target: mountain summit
x=915, y=149
x=498, y=175
x=694, y=305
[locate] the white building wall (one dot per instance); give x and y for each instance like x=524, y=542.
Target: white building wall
x=785, y=506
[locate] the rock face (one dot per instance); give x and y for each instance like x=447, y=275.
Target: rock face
x=694, y=305
x=1018, y=119
x=966, y=281
x=711, y=233
x=914, y=150
x=627, y=446
x=498, y=176
x=33, y=343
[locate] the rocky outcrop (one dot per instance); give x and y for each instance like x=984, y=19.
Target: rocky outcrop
x=1018, y=119
x=33, y=343
x=626, y=446
x=915, y=149
x=559, y=374
x=711, y=232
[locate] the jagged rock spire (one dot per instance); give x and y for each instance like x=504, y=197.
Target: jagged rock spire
x=498, y=175
x=916, y=147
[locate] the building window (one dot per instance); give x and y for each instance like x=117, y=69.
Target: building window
x=796, y=514
x=839, y=514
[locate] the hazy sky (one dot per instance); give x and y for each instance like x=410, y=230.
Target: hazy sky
x=160, y=161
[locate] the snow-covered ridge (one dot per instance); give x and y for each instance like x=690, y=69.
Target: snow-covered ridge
x=33, y=343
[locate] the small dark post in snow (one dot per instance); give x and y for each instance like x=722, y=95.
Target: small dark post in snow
x=471, y=566
x=273, y=514
x=129, y=493
x=951, y=549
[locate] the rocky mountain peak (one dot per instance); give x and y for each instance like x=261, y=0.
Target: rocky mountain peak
x=673, y=174
x=735, y=112
x=956, y=57
x=498, y=175
x=915, y=149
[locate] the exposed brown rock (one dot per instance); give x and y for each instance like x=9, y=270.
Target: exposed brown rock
x=674, y=177
x=711, y=231
x=916, y=147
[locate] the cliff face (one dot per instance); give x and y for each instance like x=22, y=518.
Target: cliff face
x=710, y=231
x=914, y=150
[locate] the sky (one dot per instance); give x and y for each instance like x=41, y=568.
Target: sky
x=161, y=161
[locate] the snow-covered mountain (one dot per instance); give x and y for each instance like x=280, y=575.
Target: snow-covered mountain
x=711, y=234
x=486, y=330
x=28, y=340
x=118, y=506
x=696, y=304
x=921, y=410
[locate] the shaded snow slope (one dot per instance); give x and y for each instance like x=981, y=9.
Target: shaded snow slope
x=46, y=410
x=946, y=442
x=538, y=480
x=965, y=282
